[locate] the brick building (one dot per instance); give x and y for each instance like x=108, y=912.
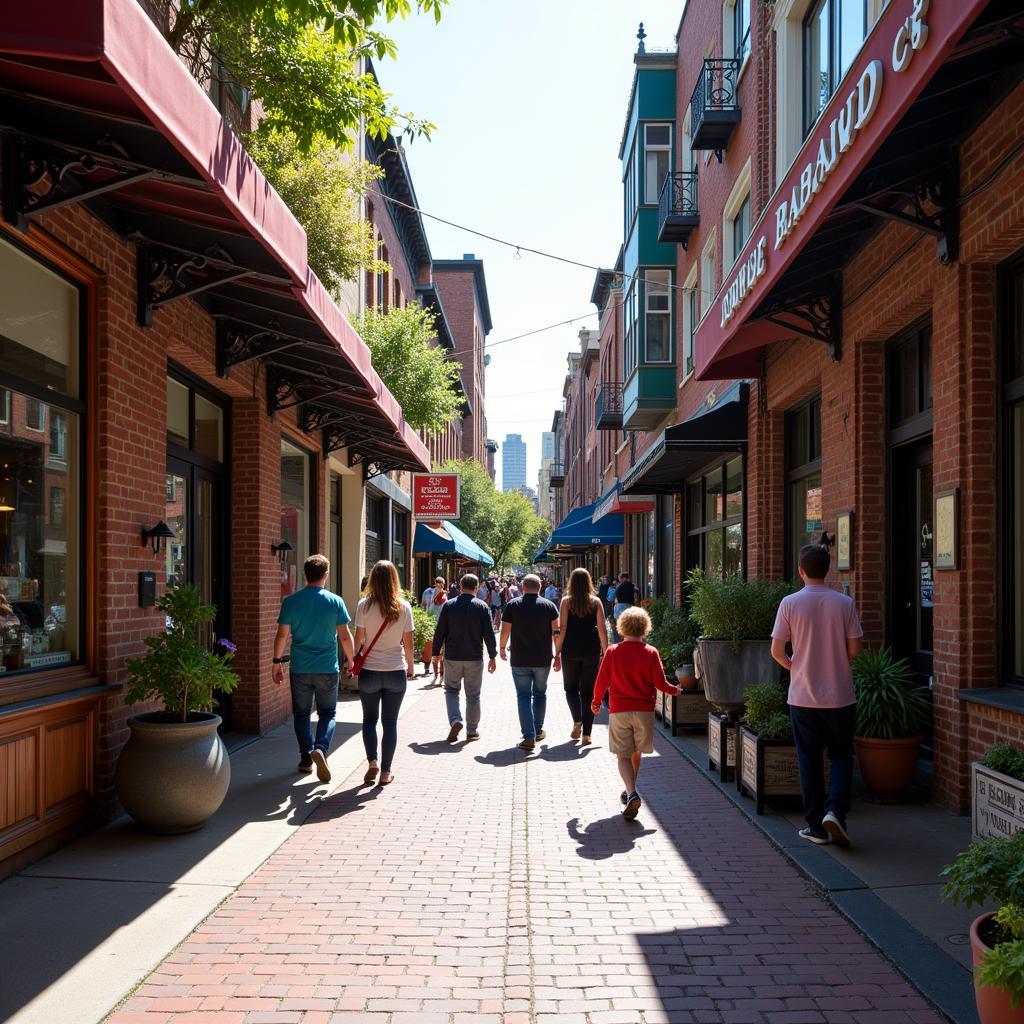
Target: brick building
x=166, y=357
x=824, y=202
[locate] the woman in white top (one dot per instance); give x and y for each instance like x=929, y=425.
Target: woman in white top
x=387, y=666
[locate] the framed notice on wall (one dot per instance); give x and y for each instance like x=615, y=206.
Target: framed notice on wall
x=947, y=529
x=844, y=541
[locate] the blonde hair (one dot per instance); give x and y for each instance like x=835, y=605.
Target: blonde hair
x=384, y=590
x=633, y=622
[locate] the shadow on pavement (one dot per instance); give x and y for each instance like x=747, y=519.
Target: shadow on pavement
x=347, y=801
x=568, y=751
x=439, y=746
x=606, y=837
x=507, y=758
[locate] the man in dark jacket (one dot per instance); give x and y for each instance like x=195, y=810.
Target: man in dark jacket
x=463, y=629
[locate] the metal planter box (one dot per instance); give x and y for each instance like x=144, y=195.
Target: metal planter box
x=997, y=803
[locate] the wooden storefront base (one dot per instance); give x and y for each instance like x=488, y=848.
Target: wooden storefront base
x=768, y=768
x=722, y=745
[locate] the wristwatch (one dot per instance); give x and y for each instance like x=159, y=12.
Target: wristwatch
x=283, y=661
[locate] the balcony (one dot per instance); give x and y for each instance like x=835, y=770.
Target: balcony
x=557, y=477
x=714, y=107
x=608, y=408
x=677, y=208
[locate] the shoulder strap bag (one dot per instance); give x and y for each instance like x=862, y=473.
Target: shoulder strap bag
x=364, y=651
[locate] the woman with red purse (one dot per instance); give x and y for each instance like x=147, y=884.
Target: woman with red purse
x=383, y=665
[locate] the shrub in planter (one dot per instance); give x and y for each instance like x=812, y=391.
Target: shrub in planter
x=675, y=637
x=992, y=870
x=892, y=712
x=734, y=617
x=1005, y=759
x=423, y=624
x=174, y=771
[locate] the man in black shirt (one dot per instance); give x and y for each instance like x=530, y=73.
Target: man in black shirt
x=532, y=622
x=463, y=629
x=625, y=597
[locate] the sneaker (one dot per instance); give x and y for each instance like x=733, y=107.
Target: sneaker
x=527, y=745
x=814, y=835
x=305, y=765
x=632, y=807
x=453, y=732
x=836, y=829
x=577, y=729
x=470, y=736
x=323, y=770
x=542, y=735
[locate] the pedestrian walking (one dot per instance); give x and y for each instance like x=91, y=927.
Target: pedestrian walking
x=499, y=597
x=625, y=597
x=314, y=620
x=433, y=600
x=603, y=595
x=633, y=673
x=463, y=630
x=824, y=632
x=384, y=664
x=551, y=592
x=582, y=641
x=532, y=622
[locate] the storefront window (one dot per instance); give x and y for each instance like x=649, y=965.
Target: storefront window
x=1013, y=472
x=376, y=528
x=650, y=542
x=803, y=481
x=399, y=550
x=714, y=525
x=40, y=485
x=295, y=513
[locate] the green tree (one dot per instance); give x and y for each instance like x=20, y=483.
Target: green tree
x=301, y=61
x=322, y=188
x=419, y=374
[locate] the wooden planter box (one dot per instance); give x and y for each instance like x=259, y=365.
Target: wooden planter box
x=688, y=710
x=997, y=803
x=722, y=745
x=769, y=768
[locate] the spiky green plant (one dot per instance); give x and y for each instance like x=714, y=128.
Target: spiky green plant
x=891, y=704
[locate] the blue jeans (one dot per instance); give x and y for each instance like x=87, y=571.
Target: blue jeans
x=532, y=694
x=381, y=695
x=323, y=686
x=816, y=730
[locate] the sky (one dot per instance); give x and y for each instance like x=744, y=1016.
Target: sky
x=529, y=99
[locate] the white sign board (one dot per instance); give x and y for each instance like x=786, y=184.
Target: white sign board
x=997, y=803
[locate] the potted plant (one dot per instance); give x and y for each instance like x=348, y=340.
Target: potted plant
x=997, y=791
x=735, y=618
x=992, y=871
x=892, y=711
x=173, y=772
x=423, y=624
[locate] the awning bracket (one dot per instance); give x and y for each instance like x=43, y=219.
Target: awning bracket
x=238, y=344
x=39, y=178
x=818, y=317
x=932, y=206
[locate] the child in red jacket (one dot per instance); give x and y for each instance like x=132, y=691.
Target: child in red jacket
x=633, y=671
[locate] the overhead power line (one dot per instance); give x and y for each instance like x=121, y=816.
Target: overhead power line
x=539, y=330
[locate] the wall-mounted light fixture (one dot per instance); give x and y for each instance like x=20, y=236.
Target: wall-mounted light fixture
x=281, y=549
x=157, y=536
x=825, y=541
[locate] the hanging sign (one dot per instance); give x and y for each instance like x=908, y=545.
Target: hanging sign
x=435, y=496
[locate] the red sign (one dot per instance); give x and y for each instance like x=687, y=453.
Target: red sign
x=435, y=496
x=902, y=52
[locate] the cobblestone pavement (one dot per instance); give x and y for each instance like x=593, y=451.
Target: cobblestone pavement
x=488, y=887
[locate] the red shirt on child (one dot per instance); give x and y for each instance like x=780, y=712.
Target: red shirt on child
x=634, y=672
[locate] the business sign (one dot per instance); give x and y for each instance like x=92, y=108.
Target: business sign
x=900, y=55
x=435, y=496
x=997, y=803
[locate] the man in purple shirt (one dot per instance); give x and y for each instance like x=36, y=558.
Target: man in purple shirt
x=822, y=627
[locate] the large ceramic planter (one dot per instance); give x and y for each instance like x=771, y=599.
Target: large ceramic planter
x=888, y=765
x=994, y=1004
x=727, y=673
x=171, y=776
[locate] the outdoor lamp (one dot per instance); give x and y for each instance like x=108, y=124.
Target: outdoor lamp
x=281, y=549
x=157, y=536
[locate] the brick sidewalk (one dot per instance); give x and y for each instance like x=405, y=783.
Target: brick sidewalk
x=488, y=888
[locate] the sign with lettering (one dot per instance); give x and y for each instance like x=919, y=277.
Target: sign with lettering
x=997, y=803
x=435, y=496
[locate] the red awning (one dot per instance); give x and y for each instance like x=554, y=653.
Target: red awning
x=887, y=77
x=617, y=503
x=94, y=79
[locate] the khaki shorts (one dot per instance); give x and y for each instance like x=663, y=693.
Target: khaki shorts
x=631, y=732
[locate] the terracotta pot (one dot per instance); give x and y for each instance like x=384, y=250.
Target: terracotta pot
x=686, y=677
x=428, y=653
x=888, y=765
x=994, y=1004
x=171, y=776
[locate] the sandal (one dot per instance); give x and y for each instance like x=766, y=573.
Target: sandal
x=371, y=773
x=386, y=778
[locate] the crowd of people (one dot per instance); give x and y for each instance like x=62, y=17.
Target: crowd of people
x=532, y=625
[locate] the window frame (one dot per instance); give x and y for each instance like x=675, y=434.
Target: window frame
x=835, y=72
x=655, y=148
x=740, y=42
x=795, y=474
x=694, y=536
x=667, y=314
x=691, y=318
x=40, y=419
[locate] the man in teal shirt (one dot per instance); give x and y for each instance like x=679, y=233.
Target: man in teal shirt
x=315, y=620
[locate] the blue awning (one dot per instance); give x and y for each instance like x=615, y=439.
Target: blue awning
x=578, y=529
x=448, y=539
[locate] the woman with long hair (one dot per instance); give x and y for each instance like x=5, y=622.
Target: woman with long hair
x=581, y=643
x=384, y=637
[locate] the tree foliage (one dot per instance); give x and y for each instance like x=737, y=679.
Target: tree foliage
x=301, y=61
x=322, y=188
x=503, y=523
x=419, y=374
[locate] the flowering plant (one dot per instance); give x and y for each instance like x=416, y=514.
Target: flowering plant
x=179, y=668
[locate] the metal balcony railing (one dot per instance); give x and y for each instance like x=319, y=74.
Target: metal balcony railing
x=714, y=105
x=677, y=207
x=557, y=477
x=608, y=407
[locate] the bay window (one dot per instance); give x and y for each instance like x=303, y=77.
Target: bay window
x=657, y=159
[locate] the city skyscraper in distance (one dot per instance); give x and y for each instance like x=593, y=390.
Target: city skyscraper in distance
x=513, y=463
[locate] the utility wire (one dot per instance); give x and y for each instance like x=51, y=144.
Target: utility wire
x=539, y=330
